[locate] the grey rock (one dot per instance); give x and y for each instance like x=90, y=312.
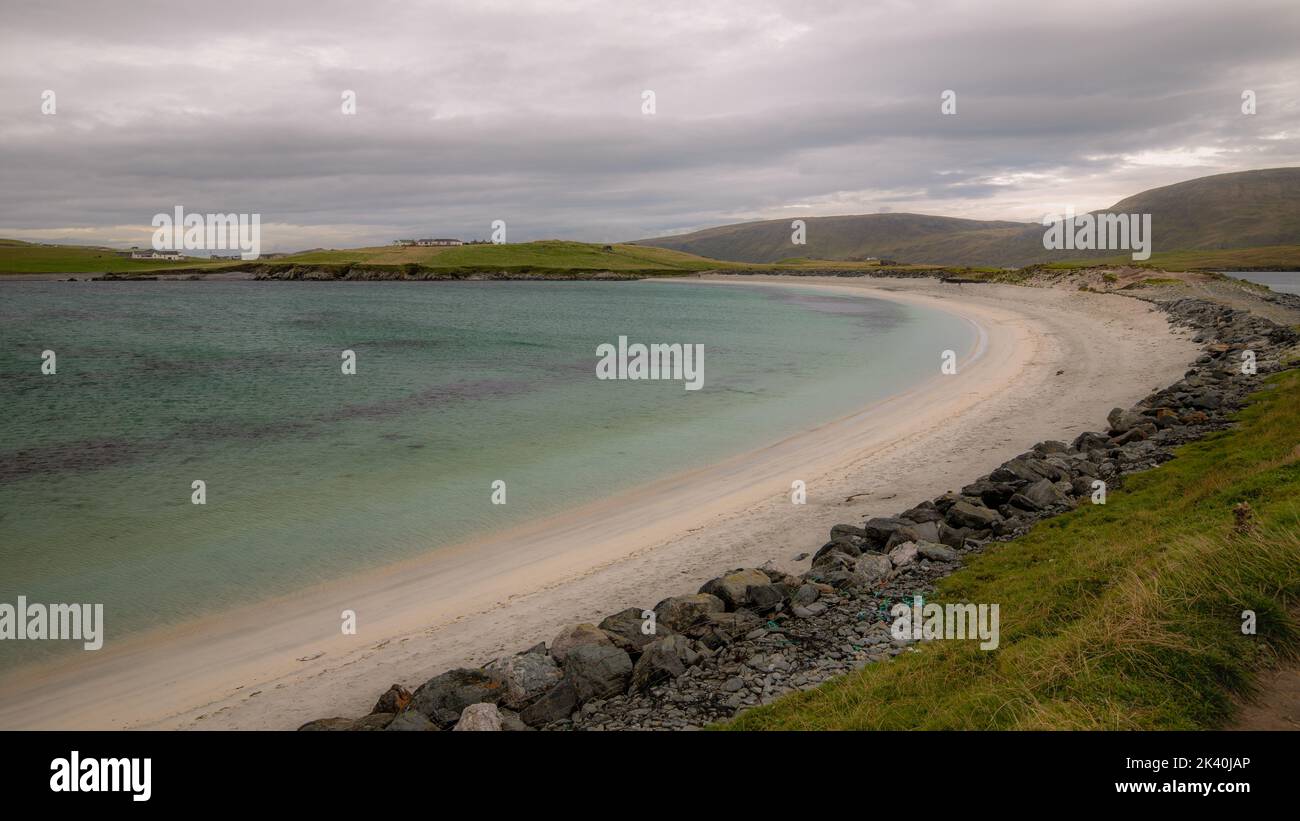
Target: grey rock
x=937, y=552
x=411, y=721
x=661, y=661
x=680, y=612
x=732, y=587
x=327, y=725
x=527, y=677
x=630, y=625
x=479, y=718
x=873, y=567
x=443, y=698
x=557, y=704
x=965, y=514
x=597, y=671
x=574, y=636
x=904, y=554
x=806, y=594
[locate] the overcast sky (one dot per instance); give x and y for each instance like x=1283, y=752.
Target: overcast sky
x=531, y=112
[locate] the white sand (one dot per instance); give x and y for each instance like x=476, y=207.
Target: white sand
x=284, y=662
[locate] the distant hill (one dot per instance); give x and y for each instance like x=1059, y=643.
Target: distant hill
x=1240, y=210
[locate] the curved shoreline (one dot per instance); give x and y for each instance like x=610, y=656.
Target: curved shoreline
x=279, y=663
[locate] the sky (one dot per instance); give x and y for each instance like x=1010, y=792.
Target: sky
x=534, y=112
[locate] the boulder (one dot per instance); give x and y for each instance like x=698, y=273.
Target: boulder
x=1131, y=435
x=733, y=588
x=878, y=530
x=597, y=670
x=410, y=721
x=953, y=536
x=1121, y=420
x=847, y=532
x=327, y=725
x=394, y=700
x=1015, y=472
x=714, y=630
x=924, y=512
x=527, y=677
x=965, y=514
x=680, y=612
x=831, y=556
x=558, y=703
x=512, y=723
x=662, y=660
x=903, y=555
x=872, y=567
x=630, y=625
x=373, y=722
x=575, y=636
x=937, y=552
x=443, y=698
x=768, y=598
x=1082, y=486
x=479, y=718
x=1044, y=494
x=991, y=494
x=848, y=547
x=805, y=595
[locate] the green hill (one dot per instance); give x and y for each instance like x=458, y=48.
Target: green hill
x=18, y=257
x=541, y=257
x=558, y=255
x=1247, y=209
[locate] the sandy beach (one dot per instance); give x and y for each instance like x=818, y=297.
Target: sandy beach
x=1050, y=364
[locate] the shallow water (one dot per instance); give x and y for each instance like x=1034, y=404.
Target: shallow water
x=1284, y=282
x=311, y=474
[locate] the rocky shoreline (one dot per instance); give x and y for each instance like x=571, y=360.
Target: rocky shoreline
x=753, y=634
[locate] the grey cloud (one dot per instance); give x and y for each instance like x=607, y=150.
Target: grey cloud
x=530, y=112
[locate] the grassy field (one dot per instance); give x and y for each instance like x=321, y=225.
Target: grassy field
x=17, y=257
x=1266, y=258
x=544, y=255
x=541, y=257
x=1122, y=616
x=556, y=254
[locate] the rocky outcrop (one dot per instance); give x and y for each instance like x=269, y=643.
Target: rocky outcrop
x=753, y=634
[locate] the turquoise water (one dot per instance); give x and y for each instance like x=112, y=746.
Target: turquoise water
x=312, y=474
x=1284, y=282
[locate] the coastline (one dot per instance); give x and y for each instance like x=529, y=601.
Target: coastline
x=260, y=667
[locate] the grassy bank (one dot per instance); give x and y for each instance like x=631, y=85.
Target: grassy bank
x=17, y=257
x=559, y=257
x=1262, y=258
x=1122, y=616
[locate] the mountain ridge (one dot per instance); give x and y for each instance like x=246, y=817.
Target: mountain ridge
x=1242, y=209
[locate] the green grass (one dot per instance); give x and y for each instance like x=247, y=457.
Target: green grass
x=552, y=255
x=1150, y=282
x=543, y=255
x=547, y=256
x=1122, y=616
x=1263, y=258
x=17, y=257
